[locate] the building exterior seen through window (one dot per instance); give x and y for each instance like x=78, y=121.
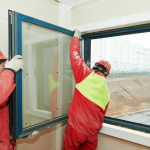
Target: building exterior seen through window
x=129, y=79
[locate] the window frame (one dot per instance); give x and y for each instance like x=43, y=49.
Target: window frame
x=112, y=33
x=15, y=101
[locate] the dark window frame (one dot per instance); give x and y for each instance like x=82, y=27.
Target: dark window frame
x=15, y=42
x=112, y=33
x=15, y=101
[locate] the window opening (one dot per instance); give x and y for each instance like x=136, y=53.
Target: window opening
x=129, y=79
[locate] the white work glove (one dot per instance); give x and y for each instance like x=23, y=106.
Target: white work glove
x=77, y=34
x=16, y=63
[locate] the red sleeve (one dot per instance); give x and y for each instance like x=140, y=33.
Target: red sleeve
x=79, y=67
x=6, y=85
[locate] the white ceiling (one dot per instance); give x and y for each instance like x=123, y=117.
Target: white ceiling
x=75, y=2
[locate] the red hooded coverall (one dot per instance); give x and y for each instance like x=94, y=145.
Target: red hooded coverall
x=87, y=109
x=6, y=88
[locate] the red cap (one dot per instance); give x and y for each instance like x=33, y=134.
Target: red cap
x=106, y=64
x=2, y=57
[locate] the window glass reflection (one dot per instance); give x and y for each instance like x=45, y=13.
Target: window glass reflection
x=47, y=83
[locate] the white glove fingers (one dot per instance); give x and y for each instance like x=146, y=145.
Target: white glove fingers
x=22, y=68
x=16, y=63
x=77, y=34
x=17, y=57
x=20, y=61
x=20, y=65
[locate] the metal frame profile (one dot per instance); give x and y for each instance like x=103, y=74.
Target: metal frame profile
x=15, y=48
x=117, y=32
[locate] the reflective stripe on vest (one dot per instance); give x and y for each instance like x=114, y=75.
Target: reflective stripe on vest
x=94, y=88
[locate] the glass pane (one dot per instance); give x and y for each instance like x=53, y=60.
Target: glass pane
x=129, y=79
x=48, y=82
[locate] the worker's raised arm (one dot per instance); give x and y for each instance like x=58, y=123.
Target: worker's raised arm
x=6, y=85
x=79, y=67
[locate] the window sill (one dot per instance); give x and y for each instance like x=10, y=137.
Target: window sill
x=39, y=113
x=126, y=134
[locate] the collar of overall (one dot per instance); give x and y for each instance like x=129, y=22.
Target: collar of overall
x=100, y=68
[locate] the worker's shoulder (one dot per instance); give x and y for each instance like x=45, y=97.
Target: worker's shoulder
x=95, y=78
x=93, y=75
x=8, y=73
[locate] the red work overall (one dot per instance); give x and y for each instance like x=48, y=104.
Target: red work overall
x=88, y=106
x=6, y=87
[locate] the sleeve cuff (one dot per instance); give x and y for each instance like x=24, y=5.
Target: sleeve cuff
x=10, y=70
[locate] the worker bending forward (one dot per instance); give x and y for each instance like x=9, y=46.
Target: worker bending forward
x=89, y=103
x=6, y=88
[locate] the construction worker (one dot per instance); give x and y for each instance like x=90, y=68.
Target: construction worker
x=89, y=103
x=7, y=71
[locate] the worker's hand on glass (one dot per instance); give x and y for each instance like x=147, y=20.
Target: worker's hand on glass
x=77, y=34
x=16, y=63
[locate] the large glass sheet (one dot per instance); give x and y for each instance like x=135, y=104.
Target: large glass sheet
x=48, y=82
x=129, y=79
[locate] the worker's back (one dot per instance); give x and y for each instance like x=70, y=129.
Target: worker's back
x=91, y=96
x=89, y=104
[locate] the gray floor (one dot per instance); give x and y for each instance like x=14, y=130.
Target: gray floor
x=142, y=117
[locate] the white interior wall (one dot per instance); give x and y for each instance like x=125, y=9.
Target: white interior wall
x=106, y=142
x=64, y=15
x=46, y=10
x=107, y=9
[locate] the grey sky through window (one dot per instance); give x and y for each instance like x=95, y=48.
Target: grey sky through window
x=140, y=39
